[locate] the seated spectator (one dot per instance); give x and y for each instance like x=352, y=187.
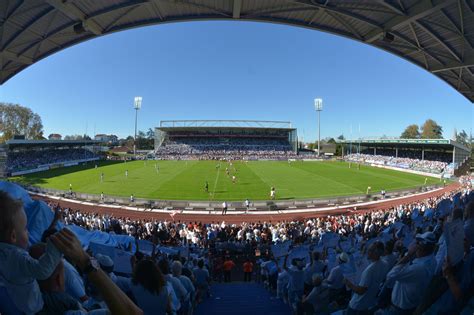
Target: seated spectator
x=412, y=274
x=176, y=269
x=335, y=279
x=317, y=300
x=148, y=287
x=364, y=298
x=18, y=270
x=296, y=281
x=282, y=285
x=181, y=293
x=316, y=266
x=460, y=285
x=56, y=299
x=202, y=280
x=117, y=302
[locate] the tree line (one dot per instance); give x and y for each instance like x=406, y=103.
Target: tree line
x=430, y=129
x=19, y=120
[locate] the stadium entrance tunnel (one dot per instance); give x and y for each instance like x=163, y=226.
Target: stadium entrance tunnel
x=436, y=35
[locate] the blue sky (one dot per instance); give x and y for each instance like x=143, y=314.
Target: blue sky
x=233, y=70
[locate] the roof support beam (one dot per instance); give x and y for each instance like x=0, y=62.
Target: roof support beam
x=468, y=62
x=237, y=8
x=438, y=38
x=74, y=13
x=14, y=57
x=154, y=7
x=333, y=8
x=418, y=11
x=345, y=24
x=392, y=7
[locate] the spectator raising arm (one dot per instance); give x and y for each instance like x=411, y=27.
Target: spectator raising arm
x=117, y=301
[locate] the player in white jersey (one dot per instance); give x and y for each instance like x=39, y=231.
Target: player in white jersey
x=272, y=193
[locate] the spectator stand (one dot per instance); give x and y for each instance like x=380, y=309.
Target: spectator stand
x=29, y=156
x=425, y=150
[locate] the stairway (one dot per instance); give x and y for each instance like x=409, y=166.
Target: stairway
x=241, y=298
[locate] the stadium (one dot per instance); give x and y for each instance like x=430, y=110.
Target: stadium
x=224, y=216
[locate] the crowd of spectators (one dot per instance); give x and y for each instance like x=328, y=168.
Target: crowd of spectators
x=399, y=162
x=413, y=154
x=225, y=148
x=32, y=159
x=395, y=261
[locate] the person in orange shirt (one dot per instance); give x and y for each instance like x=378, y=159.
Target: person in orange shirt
x=248, y=268
x=228, y=266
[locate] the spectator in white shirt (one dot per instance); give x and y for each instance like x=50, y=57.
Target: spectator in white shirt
x=364, y=298
x=412, y=274
x=316, y=266
x=335, y=279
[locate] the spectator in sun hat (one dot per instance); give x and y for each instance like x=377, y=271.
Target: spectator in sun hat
x=334, y=282
x=105, y=262
x=412, y=274
x=335, y=278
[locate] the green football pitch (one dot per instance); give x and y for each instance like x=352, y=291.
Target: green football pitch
x=185, y=180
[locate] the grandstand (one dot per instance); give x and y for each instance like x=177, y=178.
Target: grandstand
x=435, y=156
x=225, y=138
x=29, y=156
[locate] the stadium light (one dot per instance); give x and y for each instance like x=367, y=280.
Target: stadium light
x=318, y=106
x=137, y=104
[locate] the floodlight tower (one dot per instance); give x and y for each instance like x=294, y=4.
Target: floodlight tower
x=318, y=106
x=137, y=104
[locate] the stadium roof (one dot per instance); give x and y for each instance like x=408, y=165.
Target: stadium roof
x=50, y=142
x=268, y=124
x=437, y=35
x=414, y=143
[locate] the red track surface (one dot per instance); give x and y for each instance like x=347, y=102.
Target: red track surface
x=239, y=218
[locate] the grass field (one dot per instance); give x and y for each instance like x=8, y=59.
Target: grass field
x=185, y=180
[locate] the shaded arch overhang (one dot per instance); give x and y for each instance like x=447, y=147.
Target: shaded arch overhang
x=437, y=35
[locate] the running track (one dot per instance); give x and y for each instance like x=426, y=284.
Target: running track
x=239, y=218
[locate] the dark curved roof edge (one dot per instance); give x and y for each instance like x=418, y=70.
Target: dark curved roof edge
x=437, y=35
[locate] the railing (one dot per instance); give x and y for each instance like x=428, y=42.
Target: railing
x=150, y=203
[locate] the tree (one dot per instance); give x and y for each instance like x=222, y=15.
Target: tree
x=19, y=120
x=411, y=132
x=331, y=140
x=431, y=130
x=341, y=137
x=144, y=141
x=463, y=138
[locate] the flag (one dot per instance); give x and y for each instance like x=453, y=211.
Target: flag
x=173, y=213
